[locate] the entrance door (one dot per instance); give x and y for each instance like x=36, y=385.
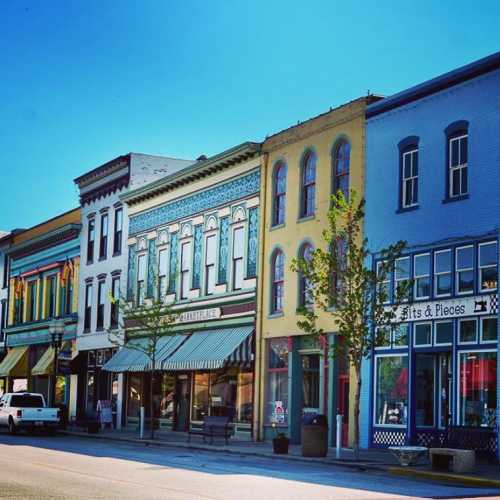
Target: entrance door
x=310, y=383
x=182, y=403
x=445, y=390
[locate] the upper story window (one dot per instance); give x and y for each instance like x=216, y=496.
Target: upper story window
x=402, y=274
x=141, y=279
x=464, y=280
x=118, y=232
x=238, y=253
x=422, y=276
x=341, y=166
x=68, y=299
x=100, y=304
x=409, y=178
x=305, y=297
x=103, y=247
x=277, y=281
x=90, y=241
x=442, y=273
x=51, y=296
x=488, y=266
x=88, y=307
x=384, y=289
x=279, y=194
x=457, y=138
x=32, y=298
x=115, y=292
x=185, y=269
x=308, y=196
x=210, y=259
x=162, y=273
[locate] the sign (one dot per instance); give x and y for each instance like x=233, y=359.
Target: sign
x=105, y=412
x=446, y=309
x=278, y=415
x=199, y=315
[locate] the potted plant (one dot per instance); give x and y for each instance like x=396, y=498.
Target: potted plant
x=280, y=442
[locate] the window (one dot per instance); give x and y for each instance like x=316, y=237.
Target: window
x=305, y=297
x=489, y=331
x=464, y=281
x=32, y=292
x=90, y=241
x=103, y=247
x=443, y=332
x=141, y=279
x=391, y=390
x=238, y=252
x=478, y=389
x=210, y=258
x=422, y=334
x=117, y=237
x=88, y=307
x=277, y=382
x=200, y=396
x=68, y=294
x=51, y=296
x=278, y=276
x=402, y=275
x=185, y=269
x=457, y=165
x=310, y=382
x=279, y=187
x=385, y=282
x=396, y=336
x=115, y=292
x=442, y=273
x=422, y=276
x=308, y=185
x=162, y=273
x=409, y=178
x=341, y=165
x=467, y=331
x=488, y=266
x=100, y=305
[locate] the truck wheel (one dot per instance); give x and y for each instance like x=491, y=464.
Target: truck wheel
x=12, y=427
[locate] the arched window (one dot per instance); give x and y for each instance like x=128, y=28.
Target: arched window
x=279, y=197
x=278, y=281
x=341, y=163
x=308, y=185
x=305, y=298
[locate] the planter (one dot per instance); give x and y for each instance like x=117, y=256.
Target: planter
x=280, y=445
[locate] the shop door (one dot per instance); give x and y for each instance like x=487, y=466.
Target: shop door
x=310, y=383
x=182, y=403
x=343, y=407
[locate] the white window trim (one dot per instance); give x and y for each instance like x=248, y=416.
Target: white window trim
x=460, y=166
x=396, y=280
x=462, y=320
x=465, y=269
x=434, y=332
x=237, y=225
x=164, y=247
x=383, y=347
x=442, y=273
x=374, y=416
x=486, y=342
x=415, y=276
x=182, y=243
x=209, y=234
x=480, y=268
x=386, y=281
x=412, y=178
x=414, y=334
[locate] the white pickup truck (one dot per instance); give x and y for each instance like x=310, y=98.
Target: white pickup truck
x=27, y=410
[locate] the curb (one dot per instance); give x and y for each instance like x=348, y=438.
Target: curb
x=462, y=480
x=289, y=458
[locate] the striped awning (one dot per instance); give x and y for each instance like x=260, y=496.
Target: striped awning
x=45, y=365
x=15, y=363
x=212, y=349
x=133, y=356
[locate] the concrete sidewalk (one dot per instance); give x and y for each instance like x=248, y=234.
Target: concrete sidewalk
x=485, y=475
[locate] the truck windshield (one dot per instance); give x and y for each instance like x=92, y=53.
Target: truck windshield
x=26, y=401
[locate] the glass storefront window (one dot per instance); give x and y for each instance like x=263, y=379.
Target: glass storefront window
x=310, y=382
x=166, y=391
x=489, y=332
x=223, y=394
x=391, y=405
x=467, y=331
x=425, y=381
x=276, y=410
x=134, y=395
x=200, y=396
x=245, y=396
x=478, y=389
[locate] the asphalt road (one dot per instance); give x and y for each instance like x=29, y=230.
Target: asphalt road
x=39, y=467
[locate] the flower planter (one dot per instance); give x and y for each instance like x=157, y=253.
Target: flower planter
x=280, y=445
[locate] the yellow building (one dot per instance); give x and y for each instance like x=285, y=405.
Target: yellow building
x=301, y=167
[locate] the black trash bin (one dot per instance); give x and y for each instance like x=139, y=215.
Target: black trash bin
x=314, y=435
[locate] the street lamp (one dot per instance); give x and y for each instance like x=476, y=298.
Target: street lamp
x=56, y=330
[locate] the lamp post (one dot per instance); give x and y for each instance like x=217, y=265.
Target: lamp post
x=56, y=330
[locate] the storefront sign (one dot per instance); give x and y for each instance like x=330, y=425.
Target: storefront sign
x=445, y=309
x=199, y=315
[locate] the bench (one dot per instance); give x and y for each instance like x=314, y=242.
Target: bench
x=213, y=427
x=453, y=460
x=480, y=439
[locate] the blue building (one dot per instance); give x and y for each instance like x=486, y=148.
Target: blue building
x=432, y=178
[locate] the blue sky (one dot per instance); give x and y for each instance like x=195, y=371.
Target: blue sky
x=82, y=82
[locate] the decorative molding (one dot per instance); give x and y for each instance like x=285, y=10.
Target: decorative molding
x=116, y=272
x=141, y=245
x=162, y=237
x=253, y=231
x=197, y=255
x=131, y=272
x=186, y=230
x=101, y=277
x=104, y=210
x=223, y=250
x=172, y=280
x=239, y=214
x=150, y=292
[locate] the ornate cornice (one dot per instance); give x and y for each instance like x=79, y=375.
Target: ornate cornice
x=105, y=190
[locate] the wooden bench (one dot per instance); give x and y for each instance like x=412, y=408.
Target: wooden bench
x=453, y=460
x=213, y=427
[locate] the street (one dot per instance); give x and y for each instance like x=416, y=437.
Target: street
x=40, y=467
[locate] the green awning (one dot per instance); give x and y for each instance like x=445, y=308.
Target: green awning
x=133, y=358
x=212, y=349
x=15, y=363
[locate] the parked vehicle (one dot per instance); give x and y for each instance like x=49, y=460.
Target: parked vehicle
x=27, y=410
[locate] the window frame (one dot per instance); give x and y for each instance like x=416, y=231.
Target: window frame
x=481, y=328
x=32, y=299
x=91, y=240
x=465, y=269
x=458, y=136
x=346, y=172
x=279, y=216
x=114, y=311
x=302, y=288
x=103, y=236
x=210, y=267
x=431, y=333
x=101, y=302
x=434, y=332
x=480, y=267
x=162, y=250
x=185, y=274
x=277, y=284
x=459, y=330
x=118, y=233
x=87, y=316
x=398, y=280
x=239, y=260
x=308, y=187
x=416, y=276
x=140, y=291
x=413, y=151
x=387, y=281
x=51, y=280
x=441, y=273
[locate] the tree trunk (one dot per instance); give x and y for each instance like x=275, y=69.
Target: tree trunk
x=357, y=396
x=151, y=404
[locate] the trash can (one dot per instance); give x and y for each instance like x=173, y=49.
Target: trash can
x=314, y=436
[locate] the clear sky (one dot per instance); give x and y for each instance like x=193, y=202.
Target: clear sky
x=82, y=82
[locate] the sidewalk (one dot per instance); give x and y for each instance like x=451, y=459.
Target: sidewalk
x=485, y=475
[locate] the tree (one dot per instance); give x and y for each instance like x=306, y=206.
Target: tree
x=341, y=283
x=150, y=319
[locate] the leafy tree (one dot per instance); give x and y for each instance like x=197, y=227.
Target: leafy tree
x=341, y=283
x=147, y=318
